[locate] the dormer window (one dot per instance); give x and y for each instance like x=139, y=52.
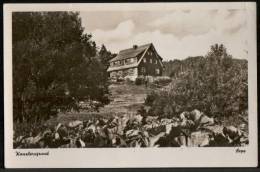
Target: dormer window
x=144, y=60
x=117, y=63
x=130, y=60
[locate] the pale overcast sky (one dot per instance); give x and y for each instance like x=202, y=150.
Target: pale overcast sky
x=176, y=34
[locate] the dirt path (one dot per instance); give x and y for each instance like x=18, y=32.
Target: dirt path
x=126, y=98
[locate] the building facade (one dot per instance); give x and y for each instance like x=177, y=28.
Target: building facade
x=136, y=61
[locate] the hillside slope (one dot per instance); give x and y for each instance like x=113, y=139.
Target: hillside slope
x=125, y=99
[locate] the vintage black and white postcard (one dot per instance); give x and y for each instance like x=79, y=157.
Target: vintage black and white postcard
x=130, y=85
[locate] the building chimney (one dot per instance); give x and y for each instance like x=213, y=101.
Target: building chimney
x=135, y=46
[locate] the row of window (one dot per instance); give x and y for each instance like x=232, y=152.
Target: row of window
x=132, y=60
x=127, y=72
x=157, y=70
x=122, y=62
x=150, y=53
x=145, y=60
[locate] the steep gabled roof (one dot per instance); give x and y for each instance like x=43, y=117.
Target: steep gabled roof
x=130, y=52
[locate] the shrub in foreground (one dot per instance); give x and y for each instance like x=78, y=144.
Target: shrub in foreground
x=139, y=81
x=162, y=80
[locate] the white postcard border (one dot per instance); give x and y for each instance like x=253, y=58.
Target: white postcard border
x=131, y=157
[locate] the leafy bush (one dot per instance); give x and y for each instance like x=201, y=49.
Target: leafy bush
x=150, y=98
x=162, y=104
x=139, y=81
x=215, y=85
x=120, y=79
x=162, y=80
x=129, y=81
x=142, y=111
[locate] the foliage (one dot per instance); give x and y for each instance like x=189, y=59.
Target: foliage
x=174, y=68
x=162, y=80
x=135, y=130
x=151, y=97
x=105, y=55
x=54, y=65
x=129, y=81
x=139, y=81
x=215, y=85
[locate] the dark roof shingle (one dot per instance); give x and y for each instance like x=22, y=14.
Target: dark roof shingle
x=130, y=52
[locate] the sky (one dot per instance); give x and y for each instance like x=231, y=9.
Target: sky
x=176, y=34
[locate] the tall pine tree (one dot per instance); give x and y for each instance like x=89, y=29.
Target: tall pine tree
x=53, y=65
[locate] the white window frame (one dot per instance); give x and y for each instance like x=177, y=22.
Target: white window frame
x=143, y=70
x=127, y=61
x=131, y=71
x=157, y=71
